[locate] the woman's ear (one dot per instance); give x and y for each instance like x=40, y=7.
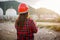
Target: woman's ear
x=28, y=15
x=18, y=13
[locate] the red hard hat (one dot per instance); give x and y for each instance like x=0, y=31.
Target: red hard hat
x=22, y=8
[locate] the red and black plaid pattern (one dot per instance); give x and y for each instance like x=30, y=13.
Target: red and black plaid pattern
x=27, y=32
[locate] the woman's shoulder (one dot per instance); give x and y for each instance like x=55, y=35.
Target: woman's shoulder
x=30, y=19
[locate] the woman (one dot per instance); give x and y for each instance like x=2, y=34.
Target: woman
x=25, y=26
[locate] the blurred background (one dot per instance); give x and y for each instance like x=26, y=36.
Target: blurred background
x=46, y=14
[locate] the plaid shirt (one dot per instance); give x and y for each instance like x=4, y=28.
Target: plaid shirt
x=27, y=33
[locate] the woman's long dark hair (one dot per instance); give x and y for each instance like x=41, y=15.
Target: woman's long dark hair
x=21, y=19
